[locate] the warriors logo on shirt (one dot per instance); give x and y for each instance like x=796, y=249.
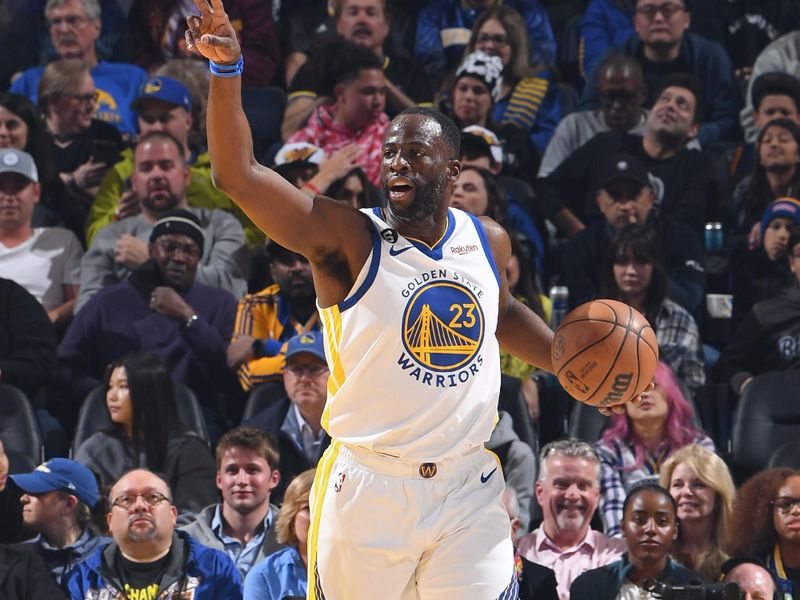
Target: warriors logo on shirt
x=443, y=326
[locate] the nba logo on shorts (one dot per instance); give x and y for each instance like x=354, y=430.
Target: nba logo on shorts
x=443, y=326
x=337, y=487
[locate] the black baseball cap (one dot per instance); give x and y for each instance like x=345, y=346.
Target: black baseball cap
x=622, y=166
x=775, y=83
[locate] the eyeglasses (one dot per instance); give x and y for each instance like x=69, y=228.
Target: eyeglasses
x=70, y=20
x=309, y=370
x=89, y=98
x=151, y=499
x=785, y=504
x=498, y=39
x=624, y=98
x=287, y=259
x=172, y=248
x=163, y=118
x=649, y=11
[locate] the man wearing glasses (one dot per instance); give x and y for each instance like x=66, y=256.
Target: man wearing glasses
x=148, y=557
x=159, y=181
x=663, y=45
x=296, y=420
x=161, y=308
x=74, y=27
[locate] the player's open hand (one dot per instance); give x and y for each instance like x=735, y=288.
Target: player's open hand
x=619, y=409
x=211, y=34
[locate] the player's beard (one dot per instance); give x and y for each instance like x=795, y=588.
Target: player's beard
x=426, y=199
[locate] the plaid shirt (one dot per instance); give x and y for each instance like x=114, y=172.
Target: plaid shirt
x=615, y=480
x=679, y=344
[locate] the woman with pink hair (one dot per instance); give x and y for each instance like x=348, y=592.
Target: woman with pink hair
x=635, y=444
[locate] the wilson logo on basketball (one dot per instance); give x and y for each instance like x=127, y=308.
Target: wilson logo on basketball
x=559, y=345
x=621, y=384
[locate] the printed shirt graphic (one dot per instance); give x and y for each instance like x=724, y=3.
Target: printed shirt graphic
x=414, y=359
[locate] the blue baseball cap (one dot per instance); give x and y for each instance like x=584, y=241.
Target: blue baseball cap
x=310, y=342
x=166, y=89
x=60, y=474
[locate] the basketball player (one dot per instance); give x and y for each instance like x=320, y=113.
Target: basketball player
x=414, y=299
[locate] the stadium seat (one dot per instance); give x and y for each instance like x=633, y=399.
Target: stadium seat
x=786, y=455
x=262, y=396
x=19, y=430
x=264, y=109
x=93, y=416
x=586, y=423
x=765, y=419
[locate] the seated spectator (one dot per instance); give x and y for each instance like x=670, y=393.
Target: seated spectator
x=161, y=309
x=621, y=91
x=605, y=24
x=765, y=340
x=159, y=183
x=476, y=87
x=763, y=524
x=266, y=320
x=775, y=175
x=57, y=502
x=30, y=37
x=22, y=127
x=296, y=420
x=12, y=528
x=752, y=576
x=703, y=490
x=528, y=99
x=634, y=271
x=517, y=462
x=650, y=526
x=163, y=104
x=624, y=194
x=298, y=163
x=243, y=524
x=663, y=46
x=147, y=432
x=477, y=192
x=568, y=489
x=680, y=177
x=444, y=26
x=354, y=190
x=763, y=272
x=778, y=57
x=158, y=34
x=74, y=30
x=363, y=22
x=27, y=348
x=283, y=574
x=83, y=147
x=25, y=576
x=46, y=261
x=147, y=557
x=357, y=85
x=635, y=444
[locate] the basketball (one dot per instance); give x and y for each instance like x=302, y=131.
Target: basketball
x=604, y=353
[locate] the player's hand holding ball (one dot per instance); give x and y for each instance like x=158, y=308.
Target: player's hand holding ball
x=605, y=354
x=211, y=34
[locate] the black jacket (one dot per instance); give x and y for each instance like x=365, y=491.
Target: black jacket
x=537, y=582
x=605, y=582
x=24, y=575
x=293, y=459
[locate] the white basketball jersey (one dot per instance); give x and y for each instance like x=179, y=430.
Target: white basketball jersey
x=415, y=364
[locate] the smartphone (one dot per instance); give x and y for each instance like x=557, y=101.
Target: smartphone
x=104, y=151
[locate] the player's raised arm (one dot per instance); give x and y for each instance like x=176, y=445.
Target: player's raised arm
x=308, y=226
x=520, y=331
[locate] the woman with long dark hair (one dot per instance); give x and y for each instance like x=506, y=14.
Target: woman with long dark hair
x=634, y=271
x=146, y=432
x=775, y=174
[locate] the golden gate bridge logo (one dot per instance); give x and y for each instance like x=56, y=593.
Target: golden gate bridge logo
x=443, y=325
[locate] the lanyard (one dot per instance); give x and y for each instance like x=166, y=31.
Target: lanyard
x=775, y=565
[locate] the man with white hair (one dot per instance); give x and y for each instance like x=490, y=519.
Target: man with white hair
x=568, y=490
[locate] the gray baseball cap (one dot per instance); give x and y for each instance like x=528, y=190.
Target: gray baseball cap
x=18, y=161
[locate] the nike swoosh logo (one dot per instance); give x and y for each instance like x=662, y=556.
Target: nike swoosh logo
x=485, y=478
x=394, y=252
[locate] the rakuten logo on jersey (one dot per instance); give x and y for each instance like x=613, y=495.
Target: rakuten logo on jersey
x=461, y=250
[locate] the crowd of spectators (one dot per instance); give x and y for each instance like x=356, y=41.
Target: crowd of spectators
x=641, y=150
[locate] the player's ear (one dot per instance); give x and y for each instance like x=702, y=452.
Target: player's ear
x=453, y=169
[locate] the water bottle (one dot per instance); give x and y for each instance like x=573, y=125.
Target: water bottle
x=559, y=299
